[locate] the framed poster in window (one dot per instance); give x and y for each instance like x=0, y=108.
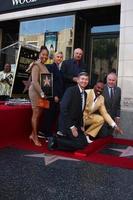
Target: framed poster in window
x=51, y=43
x=46, y=82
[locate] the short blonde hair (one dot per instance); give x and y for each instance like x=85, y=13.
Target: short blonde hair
x=58, y=52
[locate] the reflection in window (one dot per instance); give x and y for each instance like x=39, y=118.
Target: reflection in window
x=56, y=33
x=104, y=57
x=105, y=29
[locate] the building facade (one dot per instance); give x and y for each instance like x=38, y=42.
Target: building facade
x=102, y=28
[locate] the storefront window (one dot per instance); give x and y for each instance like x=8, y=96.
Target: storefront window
x=56, y=33
x=104, y=57
x=104, y=51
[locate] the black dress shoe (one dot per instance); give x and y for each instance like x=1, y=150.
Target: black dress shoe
x=52, y=144
x=59, y=133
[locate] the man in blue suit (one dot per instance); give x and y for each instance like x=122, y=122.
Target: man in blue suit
x=71, y=117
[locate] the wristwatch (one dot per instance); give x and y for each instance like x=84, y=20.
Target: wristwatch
x=42, y=94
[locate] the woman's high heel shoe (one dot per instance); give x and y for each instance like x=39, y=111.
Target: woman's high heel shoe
x=36, y=142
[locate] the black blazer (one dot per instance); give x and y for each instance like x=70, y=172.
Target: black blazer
x=71, y=69
x=113, y=107
x=58, y=87
x=71, y=113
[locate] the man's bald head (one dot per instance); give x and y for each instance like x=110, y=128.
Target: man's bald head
x=78, y=54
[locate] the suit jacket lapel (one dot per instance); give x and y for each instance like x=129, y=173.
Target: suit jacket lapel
x=78, y=96
x=107, y=92
x=90, y=99
x=85, y=100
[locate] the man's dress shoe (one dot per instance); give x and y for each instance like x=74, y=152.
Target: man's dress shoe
x=52, y=144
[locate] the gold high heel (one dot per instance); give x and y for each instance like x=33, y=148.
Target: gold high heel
x=36, y=142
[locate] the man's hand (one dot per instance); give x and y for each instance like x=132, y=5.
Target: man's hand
x=74, y=131
x=82, y=129
x=56, y=99
x=117, y=120
x=118, y=130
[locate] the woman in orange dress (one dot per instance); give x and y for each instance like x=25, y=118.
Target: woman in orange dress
x=35, y=92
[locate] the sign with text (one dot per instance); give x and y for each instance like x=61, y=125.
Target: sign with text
x=22, y=81
x=14, y=5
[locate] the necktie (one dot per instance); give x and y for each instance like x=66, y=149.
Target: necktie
x=95, y=98
x=83, y=100
x=111, y=93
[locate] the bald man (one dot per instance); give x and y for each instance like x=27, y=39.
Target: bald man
x=72, y=67
x=112, y=96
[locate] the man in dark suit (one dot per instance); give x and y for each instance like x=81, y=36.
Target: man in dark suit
x=72, y=67
x=71, y=117
x=112, y=96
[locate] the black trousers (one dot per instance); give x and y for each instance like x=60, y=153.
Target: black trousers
x=49, y=119
x=71, y=143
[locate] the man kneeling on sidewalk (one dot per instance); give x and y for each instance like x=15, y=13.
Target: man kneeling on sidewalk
x=71, y=117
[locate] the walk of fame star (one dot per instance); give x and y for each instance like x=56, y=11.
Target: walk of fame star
x=125, y=152
x=47, y=81
x=48, y=159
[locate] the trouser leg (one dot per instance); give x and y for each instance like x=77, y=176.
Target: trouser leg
x=93, y=124
x=48, y=123
x=71, y=143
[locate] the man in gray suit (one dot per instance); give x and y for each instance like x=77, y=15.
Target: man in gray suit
x=112, y=96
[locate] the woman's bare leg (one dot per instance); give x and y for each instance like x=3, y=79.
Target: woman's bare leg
x=35, y=120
